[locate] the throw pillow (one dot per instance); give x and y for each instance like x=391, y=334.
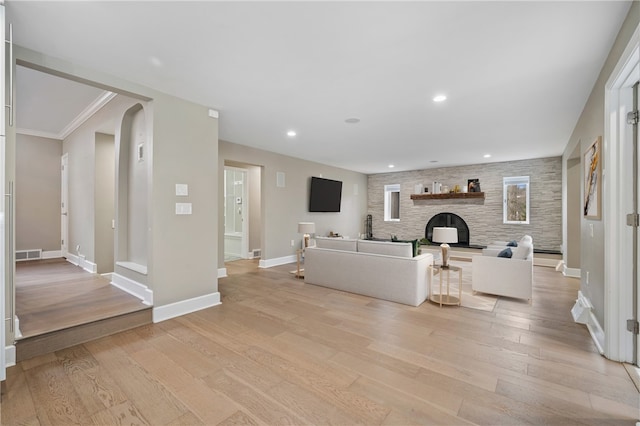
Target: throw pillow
x=506, y=253
x=512, y=244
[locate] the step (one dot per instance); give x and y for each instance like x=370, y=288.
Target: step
x=56, y=340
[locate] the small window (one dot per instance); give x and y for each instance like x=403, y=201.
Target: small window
x=516, y=199
x=392, y=203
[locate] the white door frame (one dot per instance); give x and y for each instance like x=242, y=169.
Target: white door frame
x=64, y=204
x=617, y=185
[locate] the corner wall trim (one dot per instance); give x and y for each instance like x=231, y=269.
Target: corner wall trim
x=82, y=262
x=222, y=272
x=183, y=307
x=132, y=287
x=10, y=355
x=269, y=263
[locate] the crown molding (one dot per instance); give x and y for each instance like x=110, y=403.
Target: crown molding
x=37, y=133
x=91, y=109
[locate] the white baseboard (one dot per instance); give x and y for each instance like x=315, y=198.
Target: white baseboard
x=53, y=254
x=222, y=272
x=269, y=263
x=571, y=272
x=82, y=262
x=10, y=355
x=594, y=327
x=183, y=307
x=16, y=322
x=132, y=287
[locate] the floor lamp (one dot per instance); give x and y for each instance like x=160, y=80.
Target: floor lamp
x=445, y=235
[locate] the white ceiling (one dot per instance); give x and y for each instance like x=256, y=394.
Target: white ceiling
x=517, y=74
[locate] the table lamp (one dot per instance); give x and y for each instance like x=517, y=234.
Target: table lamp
x=307, y=228
x=445, y=235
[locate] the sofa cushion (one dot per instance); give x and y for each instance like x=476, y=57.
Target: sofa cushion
x=337, y=243
x=513, y=243
x=506, y=253
x=524, y=251
x=415, y=244
x=387, y=248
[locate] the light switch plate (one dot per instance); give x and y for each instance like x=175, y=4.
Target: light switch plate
x=183, y=208
x=182, y=189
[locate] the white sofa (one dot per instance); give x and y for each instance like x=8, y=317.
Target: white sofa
x=510, y=277
x=380, y=269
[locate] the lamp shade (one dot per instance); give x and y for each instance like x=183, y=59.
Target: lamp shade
x=445, y=235
x=306, y=228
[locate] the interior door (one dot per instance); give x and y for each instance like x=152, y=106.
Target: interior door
x=64, y=203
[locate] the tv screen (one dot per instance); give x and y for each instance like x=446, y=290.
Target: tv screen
x=325, y=195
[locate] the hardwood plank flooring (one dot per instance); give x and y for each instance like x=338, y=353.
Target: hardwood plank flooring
x=54, y=294
x=278, y=351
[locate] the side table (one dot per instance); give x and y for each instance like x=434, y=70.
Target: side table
x=443, y=298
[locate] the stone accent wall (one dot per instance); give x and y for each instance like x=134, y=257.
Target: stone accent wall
x=484, y=217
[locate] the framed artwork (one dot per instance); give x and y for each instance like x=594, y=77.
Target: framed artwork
x=593, y=180
x=473, y=185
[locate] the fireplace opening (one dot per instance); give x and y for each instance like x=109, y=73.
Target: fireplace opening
x=450, y=220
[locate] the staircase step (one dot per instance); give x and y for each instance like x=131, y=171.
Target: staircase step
x=50, y=342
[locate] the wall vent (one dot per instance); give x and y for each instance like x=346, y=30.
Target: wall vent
x=33, y=254
x=256, y=253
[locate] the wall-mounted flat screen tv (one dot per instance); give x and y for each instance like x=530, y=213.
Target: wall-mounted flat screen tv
x=325, y=195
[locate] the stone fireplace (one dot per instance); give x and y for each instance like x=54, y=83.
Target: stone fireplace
x=450, y=220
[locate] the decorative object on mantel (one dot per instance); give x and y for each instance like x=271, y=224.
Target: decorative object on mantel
x=306, y=228
x=593, y=181
x=465, y=189
x=437, y=187
x=418, y=189
x=445, y=235
x=459, y=195
x=474, y=185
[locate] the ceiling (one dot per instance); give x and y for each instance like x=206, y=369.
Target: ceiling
x=516, y=74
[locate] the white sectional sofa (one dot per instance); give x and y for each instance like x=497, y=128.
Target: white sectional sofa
x=380, y=269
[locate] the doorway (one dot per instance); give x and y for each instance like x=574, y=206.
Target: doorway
x=236, y=208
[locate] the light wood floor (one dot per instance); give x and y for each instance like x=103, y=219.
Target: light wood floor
x=54, y=294
x=278, y=351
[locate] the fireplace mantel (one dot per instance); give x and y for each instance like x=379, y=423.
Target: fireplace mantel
x=463, y=195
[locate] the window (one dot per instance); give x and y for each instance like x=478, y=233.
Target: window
x=392, y=203
x=516, y=199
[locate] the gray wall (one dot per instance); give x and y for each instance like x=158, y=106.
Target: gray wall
x=484, y=218
x=283, y=208
x=590, y=125
x=37, y=189
x=104, y=201
x=136, y=191
x=81, y=147
x=574, y=214
x=183, y=148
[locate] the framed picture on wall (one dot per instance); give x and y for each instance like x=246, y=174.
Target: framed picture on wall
x=592, y=207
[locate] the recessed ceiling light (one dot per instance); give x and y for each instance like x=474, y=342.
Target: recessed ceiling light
x=352, y=120
x=155, y=61
x=391, y=166
x=487, y=156
x=291, y=133
x=433, y=161
x=439, y=98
